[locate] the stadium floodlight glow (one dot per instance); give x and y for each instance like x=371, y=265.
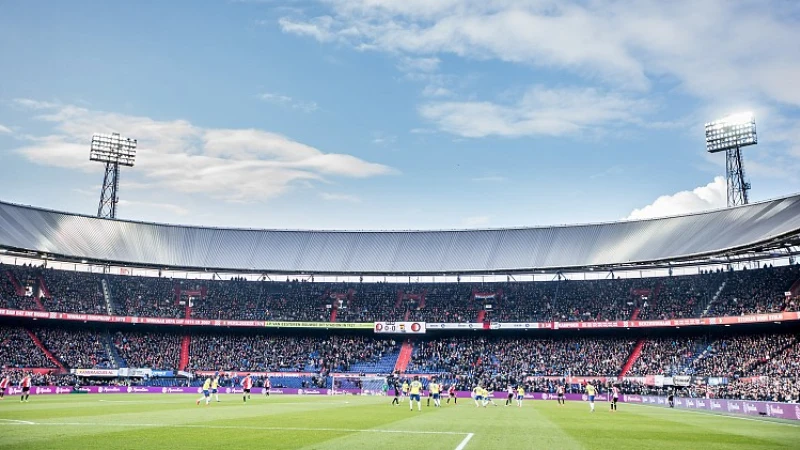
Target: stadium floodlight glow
x=729, y=135
x=734, y=131
x=113, y=150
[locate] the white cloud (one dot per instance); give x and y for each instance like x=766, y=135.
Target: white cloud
x=289, y=102
x=230, y=164
x=540, y=111
x=340, y=197
x=476, y=221
x=4, y=129
x=630, y=43
x=711, y=196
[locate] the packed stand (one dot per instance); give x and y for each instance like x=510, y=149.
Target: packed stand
x=17, y=350
x=144, y=297
x=756, y=291
x=681, y=297
x=500, y=361
x=288, y=354
x=27, y=277
x=76, y=349
x=149, y=350
x=667, y=356
x=252, y=300
x=73, y=292
x=737, y=356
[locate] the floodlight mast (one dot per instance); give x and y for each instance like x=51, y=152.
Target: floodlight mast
x=730, y=135
x=114, y=151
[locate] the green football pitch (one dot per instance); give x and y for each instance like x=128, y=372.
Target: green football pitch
x=175, y=422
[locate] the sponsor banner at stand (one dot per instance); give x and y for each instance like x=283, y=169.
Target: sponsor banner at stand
x=95, y=372
x=400, y=327
x=162, y=373
x=705, y=321
x=343, y=325
x=454, y=326
x=518, y=326
x=751, y=408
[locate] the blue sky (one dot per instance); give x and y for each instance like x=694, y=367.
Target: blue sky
x=395, y=114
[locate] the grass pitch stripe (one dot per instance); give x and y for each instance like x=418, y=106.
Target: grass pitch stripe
x=231, y=427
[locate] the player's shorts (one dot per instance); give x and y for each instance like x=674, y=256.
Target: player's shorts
x=614, y=399
x=25, y=389
x=591, y=398
x=213, y=391
x=247, y=391
x=2, y=389
x=452, y=394
x=478, y=397
x=436, y=396
x=415, y=397
x=560, y=395
x=205, y=393
x=520, y=397
x=510, y=396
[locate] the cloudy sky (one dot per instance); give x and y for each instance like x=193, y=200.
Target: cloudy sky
x=396, y=114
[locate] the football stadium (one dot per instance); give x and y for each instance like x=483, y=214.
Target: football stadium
x=397, y=274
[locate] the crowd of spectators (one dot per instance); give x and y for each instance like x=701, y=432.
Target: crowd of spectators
x=756, y=291
x=500, y=361
x=149, y=350
x=739, y=356
x=73, y=292
x=17, y=350
x=285, y=353
x=565, y=300
x=76, y=349
x=667, y=356
x=144, y=297
x=9, y=297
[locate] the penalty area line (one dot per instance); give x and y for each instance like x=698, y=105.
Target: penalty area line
x=465, y=441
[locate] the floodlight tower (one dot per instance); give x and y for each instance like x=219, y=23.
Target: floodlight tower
x=730, y=135
x=114, y=151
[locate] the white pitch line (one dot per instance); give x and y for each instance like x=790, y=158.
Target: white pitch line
x=465, y=441
x=233, y=427
x=15, y=422
x=728, y=416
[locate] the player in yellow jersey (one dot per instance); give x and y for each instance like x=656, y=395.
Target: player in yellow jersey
x=477, y=395
x=520, y=395
x=206, y=392
x=487, y=397
x=435, y=391
x=215, y=386
x=415, y=390
x=405, y=388
x=591, y=391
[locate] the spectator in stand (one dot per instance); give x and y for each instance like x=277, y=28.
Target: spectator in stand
x=283, y=353
x=160, y=351
x=76, y=349
x=17, y=350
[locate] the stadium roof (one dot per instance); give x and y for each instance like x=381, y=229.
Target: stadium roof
x=751, y=227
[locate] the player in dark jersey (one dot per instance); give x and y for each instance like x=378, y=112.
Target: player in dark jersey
x=510, y=399
x=671, y=398
x=396, y=388
x=614, y=398
x=452, y=394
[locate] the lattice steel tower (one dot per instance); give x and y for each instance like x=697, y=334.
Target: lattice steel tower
x=114, y=151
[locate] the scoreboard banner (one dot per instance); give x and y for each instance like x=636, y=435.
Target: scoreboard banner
x=400, y=327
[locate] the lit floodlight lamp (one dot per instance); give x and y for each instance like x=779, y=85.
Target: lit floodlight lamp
x=734, y=131
x=113, y=150
x=729, y=135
